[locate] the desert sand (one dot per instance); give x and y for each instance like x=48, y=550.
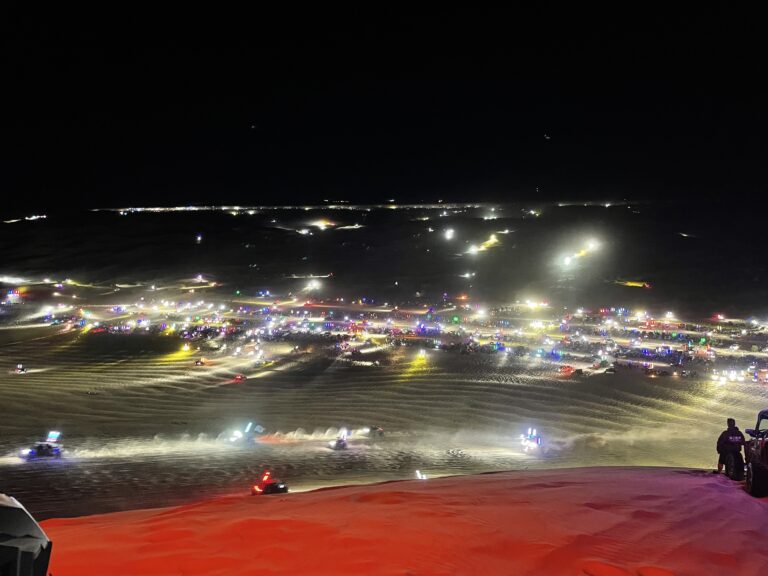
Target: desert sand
x=588, y=521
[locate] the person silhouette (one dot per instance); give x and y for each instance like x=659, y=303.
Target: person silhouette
x=730, y=441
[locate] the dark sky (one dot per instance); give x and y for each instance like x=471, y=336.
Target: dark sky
x=140, y=108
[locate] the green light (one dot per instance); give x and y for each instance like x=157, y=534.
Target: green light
x=455, y=319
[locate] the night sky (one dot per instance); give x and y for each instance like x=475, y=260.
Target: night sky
x=289, y=107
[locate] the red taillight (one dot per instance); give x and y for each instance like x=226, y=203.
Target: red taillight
x=257, y=489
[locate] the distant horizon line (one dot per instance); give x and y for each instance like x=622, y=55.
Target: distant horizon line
x=19, y=215
x=345, y=205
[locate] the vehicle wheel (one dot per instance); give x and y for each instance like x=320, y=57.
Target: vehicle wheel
x=734, y=467
x=757, y=479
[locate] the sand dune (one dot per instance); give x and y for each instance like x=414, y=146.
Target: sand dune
x=136, y=413
x=592, y=521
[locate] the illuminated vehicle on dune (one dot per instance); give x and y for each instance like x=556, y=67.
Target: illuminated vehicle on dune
x=240, y=378
x=530, y=442
x=566, y=370
x=248, y=433
x=341, y=442
x=200, y=362
x=268, y=485
x=49, y=448
x=569, y=371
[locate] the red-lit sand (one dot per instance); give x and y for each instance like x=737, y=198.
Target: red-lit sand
x=595, y=521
